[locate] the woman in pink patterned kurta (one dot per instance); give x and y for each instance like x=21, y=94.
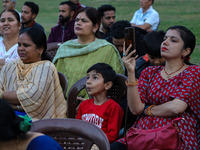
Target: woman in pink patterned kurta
x=172, y=90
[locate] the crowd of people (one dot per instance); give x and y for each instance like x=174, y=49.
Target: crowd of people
x=162, y=84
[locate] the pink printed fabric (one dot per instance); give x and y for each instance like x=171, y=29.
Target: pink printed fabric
x=154, y=90
x=9, y=55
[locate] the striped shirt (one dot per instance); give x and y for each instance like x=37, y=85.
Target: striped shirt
x=38, y=91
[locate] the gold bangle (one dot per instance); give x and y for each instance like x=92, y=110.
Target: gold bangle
x=148, y=110
x=131, y=83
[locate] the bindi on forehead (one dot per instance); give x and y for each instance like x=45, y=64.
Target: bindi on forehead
x=173, y=32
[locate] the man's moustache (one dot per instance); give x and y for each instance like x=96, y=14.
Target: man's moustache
x=61, y=17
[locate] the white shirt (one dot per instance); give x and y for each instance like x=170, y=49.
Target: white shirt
x=9, y=55
x=151, y=17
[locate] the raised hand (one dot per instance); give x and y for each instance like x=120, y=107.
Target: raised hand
x=128, y=59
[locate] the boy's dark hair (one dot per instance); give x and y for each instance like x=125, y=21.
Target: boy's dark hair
x=104, y=8
x=71, y=5
x=105, y=70
x=152, y=42
x=118, y=29
x=34, y=7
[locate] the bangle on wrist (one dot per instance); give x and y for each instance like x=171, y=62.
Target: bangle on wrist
x=131, y=83
x=148, y=110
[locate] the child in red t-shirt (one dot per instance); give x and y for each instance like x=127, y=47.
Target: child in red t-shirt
x=101, y=110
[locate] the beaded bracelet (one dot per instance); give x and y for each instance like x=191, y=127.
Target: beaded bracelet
x=131, y=83
x=148, y=110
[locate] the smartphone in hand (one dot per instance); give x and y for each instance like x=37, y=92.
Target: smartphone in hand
x=130, y=39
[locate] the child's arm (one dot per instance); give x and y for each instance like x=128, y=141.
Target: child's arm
x=114, y=122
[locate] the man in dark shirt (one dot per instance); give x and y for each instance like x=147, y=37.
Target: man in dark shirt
x=28, y=14
x=117, y=36
x=64, y=30
x=152, y=42
x=77, y=6
x=107, y=13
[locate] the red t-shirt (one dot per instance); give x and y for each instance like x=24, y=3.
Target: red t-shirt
x=107, y=116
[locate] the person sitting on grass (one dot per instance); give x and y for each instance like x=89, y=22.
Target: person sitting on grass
x=101, y=110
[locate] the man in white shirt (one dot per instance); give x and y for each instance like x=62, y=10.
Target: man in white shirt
x=146, y=17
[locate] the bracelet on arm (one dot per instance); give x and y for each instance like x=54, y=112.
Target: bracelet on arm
x=148, y=110
x=131, y=83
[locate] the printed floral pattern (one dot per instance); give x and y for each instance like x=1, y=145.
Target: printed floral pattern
x=155, y=90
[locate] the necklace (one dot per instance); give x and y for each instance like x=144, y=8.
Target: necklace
x=169, y=74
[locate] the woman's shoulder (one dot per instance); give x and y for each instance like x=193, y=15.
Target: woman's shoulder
x=104, y=43
x=69, y=42
x=152, y=69
x=193, y=70
x=39, y=141
x=48, y=64
x=45, y=66
x=32, y=135
x=11, y=64
x=106, y=46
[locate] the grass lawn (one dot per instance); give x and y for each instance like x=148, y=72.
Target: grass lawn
x=172, y=12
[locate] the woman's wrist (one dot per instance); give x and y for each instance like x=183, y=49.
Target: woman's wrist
x=133, y=83
x=131, y=77
x=131, y=74
x=147, y=111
